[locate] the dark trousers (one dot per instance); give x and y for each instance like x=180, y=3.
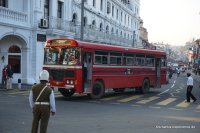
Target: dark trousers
x=189, y=94
x=41, y=114
x=4, y=82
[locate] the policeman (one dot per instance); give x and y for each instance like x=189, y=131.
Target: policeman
x=42, y=101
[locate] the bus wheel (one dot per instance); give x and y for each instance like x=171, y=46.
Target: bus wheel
x=145, y=86
x=66, y=92
x=97, y=90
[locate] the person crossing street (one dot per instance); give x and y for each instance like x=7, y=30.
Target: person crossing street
x=42, y=102
x=189, y=88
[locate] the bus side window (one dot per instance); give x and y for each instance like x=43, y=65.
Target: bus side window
x=130, y=60
x=115, y=58
x=149, y=60
x=140, y=60
x=163, y=62
x=101, y=57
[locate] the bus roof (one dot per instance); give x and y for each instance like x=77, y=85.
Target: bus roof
x=99, y=46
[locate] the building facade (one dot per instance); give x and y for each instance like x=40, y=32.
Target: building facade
x=26, y=25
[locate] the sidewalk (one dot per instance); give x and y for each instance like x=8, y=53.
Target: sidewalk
x=24, y=87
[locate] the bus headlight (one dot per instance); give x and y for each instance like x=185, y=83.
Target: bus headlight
x=71, y=82
x=67, y=82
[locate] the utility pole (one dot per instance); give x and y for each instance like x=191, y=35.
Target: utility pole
x=82, y=20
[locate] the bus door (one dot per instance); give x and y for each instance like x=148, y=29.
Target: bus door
x=87, y=72
x=158, y=71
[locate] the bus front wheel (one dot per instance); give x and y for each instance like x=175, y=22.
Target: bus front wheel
x=145, y=86
x=97, y=90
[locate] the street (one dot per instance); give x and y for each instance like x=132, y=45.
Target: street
x=162, y=110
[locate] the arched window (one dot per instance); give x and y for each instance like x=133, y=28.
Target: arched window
x=112, y=30
x=14, y=58
x=74, y=18
x=101, y=27
x=117, y=32
x=14, y=49
x=107, y=29
x=84, y=21
x=93, y=24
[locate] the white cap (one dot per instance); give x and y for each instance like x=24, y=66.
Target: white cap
x=44, y=75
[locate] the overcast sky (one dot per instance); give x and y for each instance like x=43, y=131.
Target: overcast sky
x=171, y=21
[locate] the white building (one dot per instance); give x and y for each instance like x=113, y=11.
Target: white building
x=26, y=24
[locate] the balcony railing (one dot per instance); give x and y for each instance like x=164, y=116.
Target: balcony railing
x=90, y=32
x=13, y=17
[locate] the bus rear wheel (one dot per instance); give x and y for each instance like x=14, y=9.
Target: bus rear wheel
x=97, y=90
x=145, y=86
x=66, y=92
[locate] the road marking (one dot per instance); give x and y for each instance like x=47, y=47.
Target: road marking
x=148, y=100
x=168, y=89
x=154, y=107
x=183, y=104
x=198, y=107
x=130, y=98
x=163, y=92
x=175, y=109
x=110, y=98
x=167, y=101
x=177, y=91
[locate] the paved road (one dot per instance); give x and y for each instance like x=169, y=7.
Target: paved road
x=163, y=110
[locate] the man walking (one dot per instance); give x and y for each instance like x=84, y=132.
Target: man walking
x=42, y=101
x=189, y=88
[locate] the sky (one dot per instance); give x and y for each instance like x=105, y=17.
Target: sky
x=173, y=22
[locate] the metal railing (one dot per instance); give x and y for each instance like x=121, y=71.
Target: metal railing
x=90, y=32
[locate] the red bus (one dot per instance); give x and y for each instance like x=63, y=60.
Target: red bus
x=91, y=68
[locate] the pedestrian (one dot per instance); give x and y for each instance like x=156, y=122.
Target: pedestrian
x=189, y=88
x=42, y=102
x=9, y=77
x=4, y=77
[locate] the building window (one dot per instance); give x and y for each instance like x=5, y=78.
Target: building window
x=59, y=9
x=4, y=3
x=121, y=16
x=74, y=18
x=101, y=27
x=84, y=21
x=94, y=3
x=112, y=30
x=107, y=29
x=125, y=19
x=108, y=7
x=93, y=24
x=101, y=5
x=117, y=13
x=113, y=8
x=128, y=21
x=46, y=9
x=14, y=58
x=117, y=32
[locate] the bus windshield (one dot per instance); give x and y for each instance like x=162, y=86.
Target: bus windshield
x=62, y=56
